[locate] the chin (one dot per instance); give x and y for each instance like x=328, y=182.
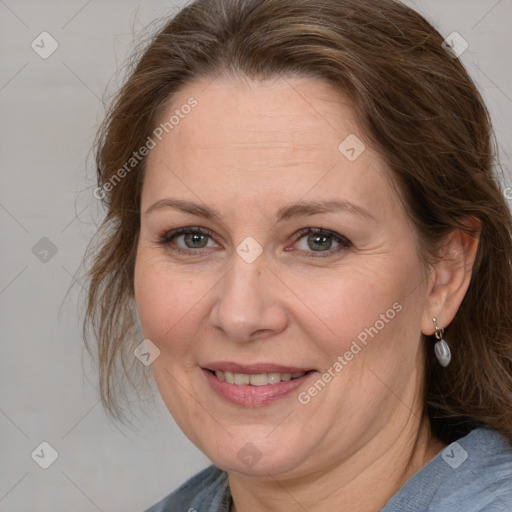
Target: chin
x=251, y=460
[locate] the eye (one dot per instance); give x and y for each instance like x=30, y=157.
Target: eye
x=320, y=243
x=312, y=242
x=187, y=240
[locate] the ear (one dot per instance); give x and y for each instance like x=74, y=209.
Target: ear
x=451, y=276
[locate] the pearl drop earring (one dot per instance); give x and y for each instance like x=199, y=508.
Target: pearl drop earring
x=441, y=348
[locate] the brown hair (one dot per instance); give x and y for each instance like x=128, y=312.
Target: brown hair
x=414, y=101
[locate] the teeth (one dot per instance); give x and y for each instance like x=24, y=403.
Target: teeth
x=257, y=379
x=275, y=378
x=242, y=379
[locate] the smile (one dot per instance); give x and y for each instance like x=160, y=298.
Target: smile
x=255, y=389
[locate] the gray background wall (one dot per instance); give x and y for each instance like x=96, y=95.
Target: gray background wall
x=50, y=109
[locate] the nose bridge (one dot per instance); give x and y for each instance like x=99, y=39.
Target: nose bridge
x=246, y=302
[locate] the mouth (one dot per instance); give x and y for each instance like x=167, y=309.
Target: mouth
x=255, y=385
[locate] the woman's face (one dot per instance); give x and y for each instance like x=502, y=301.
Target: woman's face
x=294, y=256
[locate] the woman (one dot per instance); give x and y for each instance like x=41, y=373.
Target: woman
x=302, y=209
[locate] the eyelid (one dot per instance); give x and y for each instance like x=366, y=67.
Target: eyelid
x=168, y=236
x=322, y=231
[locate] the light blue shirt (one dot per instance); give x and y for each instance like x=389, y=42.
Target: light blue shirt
x=473, y=474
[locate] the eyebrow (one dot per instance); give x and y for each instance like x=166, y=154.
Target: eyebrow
x=300, y=209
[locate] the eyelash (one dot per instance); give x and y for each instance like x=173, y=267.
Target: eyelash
x=344, y=243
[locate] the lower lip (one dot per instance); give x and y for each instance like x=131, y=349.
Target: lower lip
x=254, y=396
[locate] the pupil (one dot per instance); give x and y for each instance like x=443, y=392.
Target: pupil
x=320, y=241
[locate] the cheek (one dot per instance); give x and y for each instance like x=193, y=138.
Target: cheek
x=371, y=310
x=168, y=302
x=372, y=343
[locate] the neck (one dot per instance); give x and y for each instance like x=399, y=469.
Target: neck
x=365, y=481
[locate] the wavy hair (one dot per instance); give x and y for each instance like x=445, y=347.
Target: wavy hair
x=413, y=100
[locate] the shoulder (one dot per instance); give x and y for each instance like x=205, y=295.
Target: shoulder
x=473, y=474
x=206, y=491
x=479, y=473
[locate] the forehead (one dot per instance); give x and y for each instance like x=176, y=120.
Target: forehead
x=250, y=137
x=271, y=119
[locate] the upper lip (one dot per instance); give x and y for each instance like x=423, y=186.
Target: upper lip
x=229, y=366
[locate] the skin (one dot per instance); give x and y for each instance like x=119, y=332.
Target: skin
x=248, y=149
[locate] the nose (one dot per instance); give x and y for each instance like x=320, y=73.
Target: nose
x=248, y=305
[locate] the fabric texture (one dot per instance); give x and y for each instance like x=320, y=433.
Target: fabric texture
x=473, y=474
